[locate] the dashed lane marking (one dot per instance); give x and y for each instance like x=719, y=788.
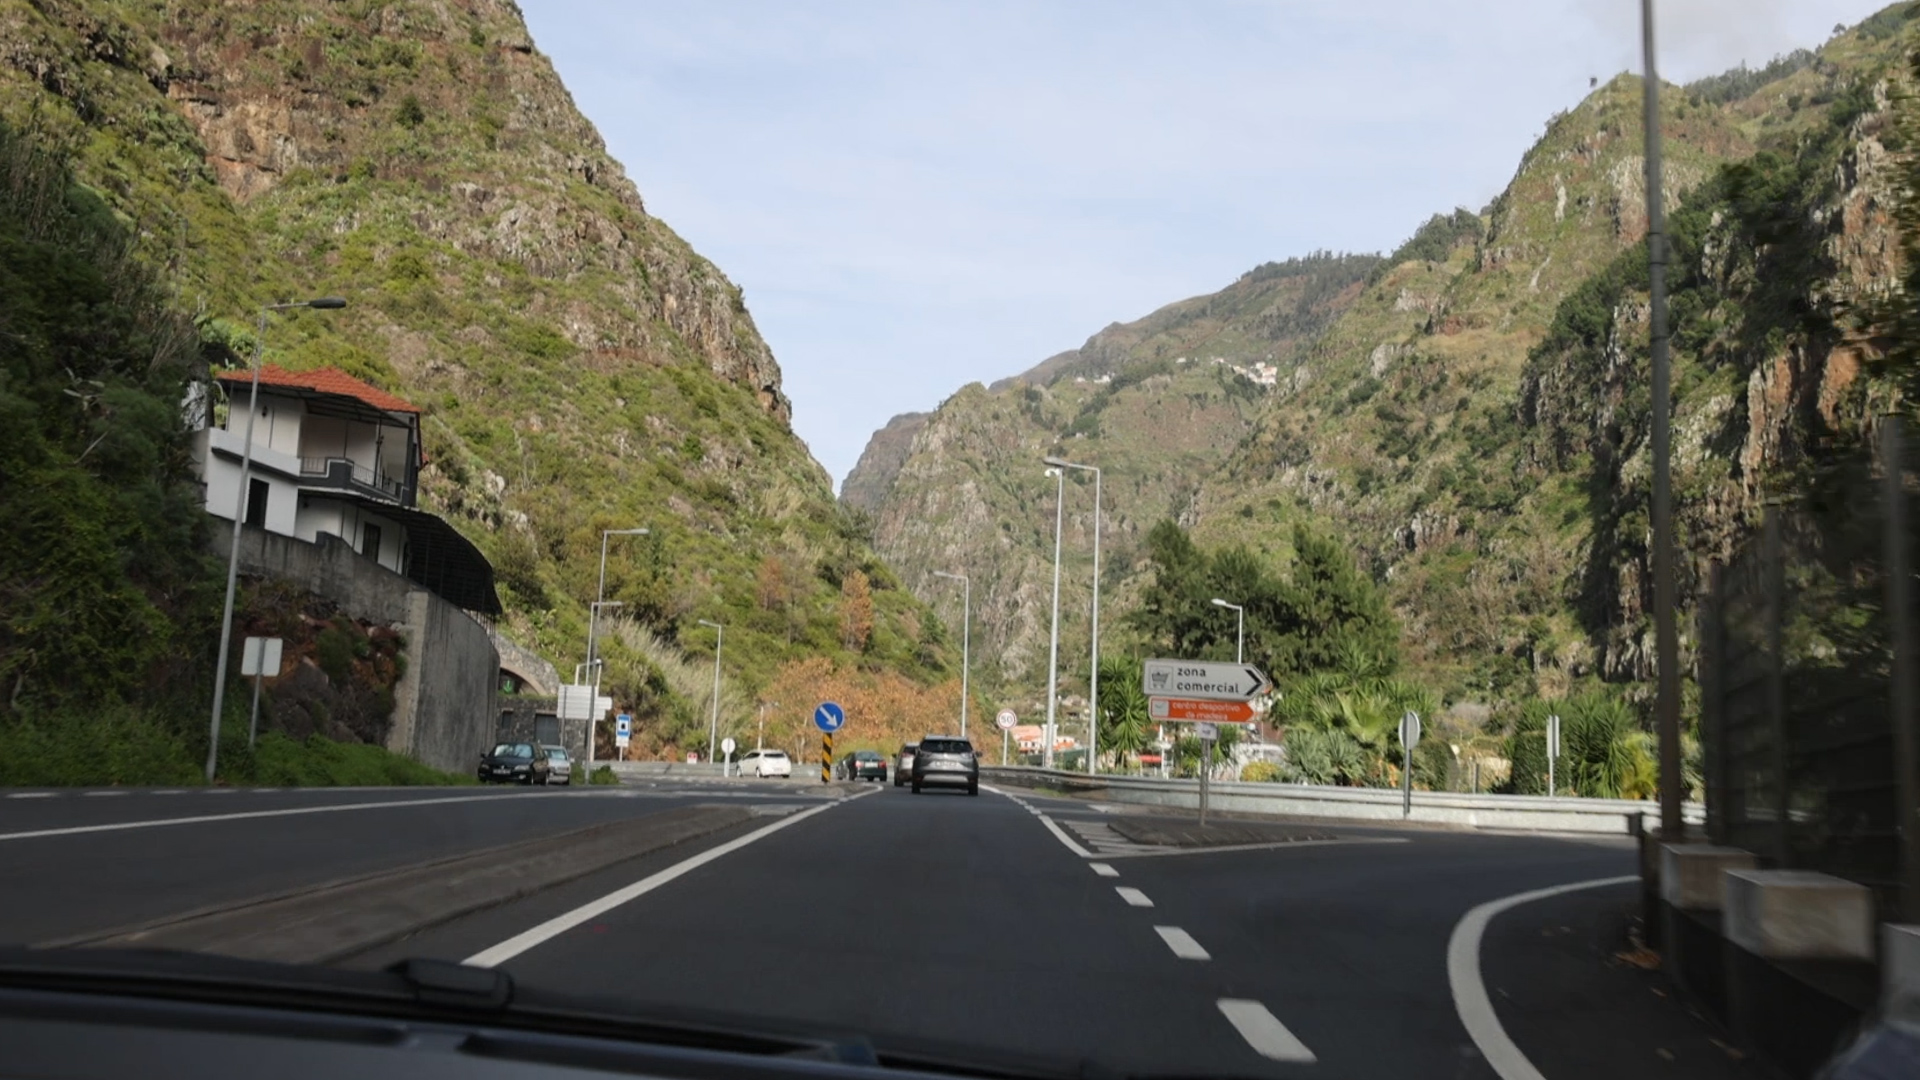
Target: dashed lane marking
x=31, y=795
x=103, y=794
x=1104, y=870
x=1264, y=1032
x=1182, y=943
x=1134, y=897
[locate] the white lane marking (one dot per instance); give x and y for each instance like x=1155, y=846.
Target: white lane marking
x=1182, y=943
x=174, y=791
x=32, y=795
x=560, y=924
x=1264, y=1032
x=200, y=819
x=1104, y=870
x=1279, y=845
x=1470, y=998
x=101, y=794
x=1061, y=834
x=1134, y=897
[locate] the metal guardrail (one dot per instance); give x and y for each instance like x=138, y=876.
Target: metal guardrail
x=1529, y=813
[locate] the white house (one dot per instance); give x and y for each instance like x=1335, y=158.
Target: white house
x=337, y=457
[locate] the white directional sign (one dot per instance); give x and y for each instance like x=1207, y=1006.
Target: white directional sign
x=261, y=656
x=1006, y=720
x=727, y=744
x=576, y=701
x=1210, y=679
x=1205, y=732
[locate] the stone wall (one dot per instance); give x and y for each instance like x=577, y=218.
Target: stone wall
x=444, y=711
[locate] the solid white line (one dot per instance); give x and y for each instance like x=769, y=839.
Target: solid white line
x=1277, y=845
x=1470, y=992
x=1104, y=870
x=560, y=924
x=200, y=819
x=1266, y=1034
x=1182, y=943
x=1134, y=897
x=1061, y=835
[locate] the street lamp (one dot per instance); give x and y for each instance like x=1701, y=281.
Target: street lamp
x=1240, y=635
x=713, y=737
x=593, y=626
x=966, y=644
x=1093, y=677
x=1053, y=647
x=324, y=303
x=760, y=741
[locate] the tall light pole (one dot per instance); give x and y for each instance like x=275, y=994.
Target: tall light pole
x=966, y=639
x=1666, y=637
x=593, y=625
x=1093, y=676
x=1240, y=633
x=713, y=736
x=594, y=666
x=1053, y=648
x=760, y=741
x=324, y=303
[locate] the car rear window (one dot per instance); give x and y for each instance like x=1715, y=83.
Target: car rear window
x=866, y=755
x=909, y=748
x=781, y=754
x=946, y=746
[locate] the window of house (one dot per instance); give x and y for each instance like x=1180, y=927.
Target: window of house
x=258, y=491
x=370, y=541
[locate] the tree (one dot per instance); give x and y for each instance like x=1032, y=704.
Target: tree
x=771, y=588
x=856, y=611
x=1124, y=726
x=1337, y=613
x=1603, y=752
x=1362, y=710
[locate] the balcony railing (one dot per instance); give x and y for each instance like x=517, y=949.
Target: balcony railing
x=342, y=473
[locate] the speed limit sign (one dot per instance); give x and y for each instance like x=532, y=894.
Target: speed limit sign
x=1006, y=720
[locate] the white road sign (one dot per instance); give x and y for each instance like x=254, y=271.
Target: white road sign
x=1410, y=729
x=1210, y=679
x=1006, y=720
x=1205, y=732
x=576, y=701
x=261, y=656
x=727, y=744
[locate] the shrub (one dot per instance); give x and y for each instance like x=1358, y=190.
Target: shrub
x=1261, y=772
x=603, y=775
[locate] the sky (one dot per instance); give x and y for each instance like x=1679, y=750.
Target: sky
x=919, y=194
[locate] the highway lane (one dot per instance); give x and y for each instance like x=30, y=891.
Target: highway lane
x=967, y=920
x=80, y=863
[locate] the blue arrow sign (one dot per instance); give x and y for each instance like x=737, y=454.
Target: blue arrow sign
x=829, y=716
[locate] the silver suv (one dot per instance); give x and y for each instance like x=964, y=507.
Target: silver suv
x=945, y=761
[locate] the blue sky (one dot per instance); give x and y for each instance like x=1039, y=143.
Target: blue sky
x=919, y=194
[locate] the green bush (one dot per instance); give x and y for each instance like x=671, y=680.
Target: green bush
x=603, y=775
x=118, y=745
x=317, y=761
x=1261, y=772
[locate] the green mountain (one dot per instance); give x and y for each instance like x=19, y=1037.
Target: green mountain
x=578, y=365
x=1470, y=415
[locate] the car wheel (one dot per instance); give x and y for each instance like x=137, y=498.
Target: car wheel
x=916, y=787
x=973, y=789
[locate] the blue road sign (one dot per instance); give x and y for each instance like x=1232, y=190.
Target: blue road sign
x=829, y=716
x=623, y=724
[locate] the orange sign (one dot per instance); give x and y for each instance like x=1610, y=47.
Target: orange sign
x=1197, y=709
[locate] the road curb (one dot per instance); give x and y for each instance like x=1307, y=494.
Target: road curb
x=329, y=922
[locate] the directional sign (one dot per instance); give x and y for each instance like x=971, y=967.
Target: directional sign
x=829, y=717
x=1006, y=720
x=1553, y=736
x=1206, y=732
x=1409, y=729
x=727, y=744
x=576, y=701
x=261, y=656
x=1199, y=709
x=1210, y=679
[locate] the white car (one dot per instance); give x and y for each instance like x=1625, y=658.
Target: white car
x=561, y=765
x=765, y=763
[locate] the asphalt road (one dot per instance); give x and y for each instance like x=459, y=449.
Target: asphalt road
x=1003, y=924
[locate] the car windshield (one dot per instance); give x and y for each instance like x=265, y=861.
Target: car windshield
x=1413, y=498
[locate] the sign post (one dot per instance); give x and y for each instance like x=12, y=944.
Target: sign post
x=1409, y=735
x=726, y=760
x=259, y=657
x=829, y=718
x=1553, y=748
x=1206, y=733
x=1005, y=722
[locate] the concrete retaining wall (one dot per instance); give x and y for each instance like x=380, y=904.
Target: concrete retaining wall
x=444, y=711
x=1534, y=813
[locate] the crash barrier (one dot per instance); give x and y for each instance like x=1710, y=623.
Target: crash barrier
x=1528, y=813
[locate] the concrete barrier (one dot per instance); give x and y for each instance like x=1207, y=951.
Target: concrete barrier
x=1529, y=813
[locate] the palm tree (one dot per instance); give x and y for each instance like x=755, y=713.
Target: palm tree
x=1366, y=710
x=1124, y=725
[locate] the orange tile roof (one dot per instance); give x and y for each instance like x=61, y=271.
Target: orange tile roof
x=323, y=381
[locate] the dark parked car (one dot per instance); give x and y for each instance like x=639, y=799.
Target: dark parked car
x=864, y=765
x=945, y=761
x=903, y=765
x=515, y=763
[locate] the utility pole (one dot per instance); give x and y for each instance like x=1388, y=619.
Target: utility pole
x=1053, y=647
x=966, y=639
x=713, y=735
x=1666, y=635
x=1093, y=676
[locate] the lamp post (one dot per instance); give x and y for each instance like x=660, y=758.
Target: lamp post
x=760, y=740
x=713, y=736
x=1240, y=633
x=1053, y=647
x=966, y=639
x=593, y=613
x=324, y=303
x=1093, y=676
x=1666, y=648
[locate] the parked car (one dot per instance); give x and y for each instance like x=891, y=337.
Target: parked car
x=559, y=766
x=765, y=763
x=864, y=765
x=903, y=765
x=945, y=761
x=514, y=763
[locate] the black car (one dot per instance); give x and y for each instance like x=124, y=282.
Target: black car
x=515, y=763
x=864, y=765
x=946, y=761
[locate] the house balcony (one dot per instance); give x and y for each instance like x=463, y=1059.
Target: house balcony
x=341, y=474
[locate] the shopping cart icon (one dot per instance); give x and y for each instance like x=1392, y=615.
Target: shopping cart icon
x=1158, y=680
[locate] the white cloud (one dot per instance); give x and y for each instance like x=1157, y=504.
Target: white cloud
x=919, y=195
